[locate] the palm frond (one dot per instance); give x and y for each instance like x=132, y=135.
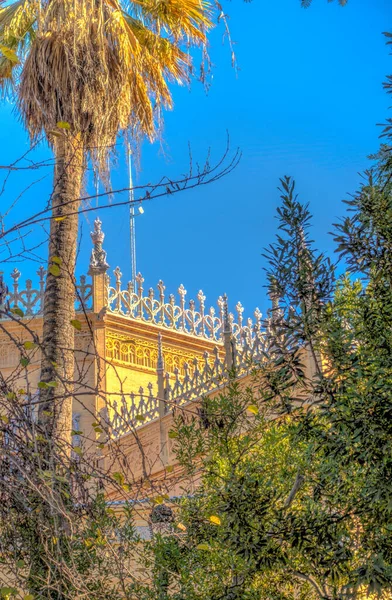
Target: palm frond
x=16, y=32
x=98, y=67
x=17, y=23
x=180, y=19
x=168, y=57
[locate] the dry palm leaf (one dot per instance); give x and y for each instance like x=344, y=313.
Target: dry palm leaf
x=96, y=65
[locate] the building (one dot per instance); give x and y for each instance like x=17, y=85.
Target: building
x=138, y=354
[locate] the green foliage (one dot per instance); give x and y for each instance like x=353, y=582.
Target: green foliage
x=295, y=471
x=59, y=537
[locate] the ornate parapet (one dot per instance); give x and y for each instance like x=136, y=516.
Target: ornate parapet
x=30, y=298
x=132, y=412
x=199, y=378
x=183, y=374
x=189, y=317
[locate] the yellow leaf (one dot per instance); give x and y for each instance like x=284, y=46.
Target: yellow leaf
x=4, y=419
x=17, y=311
x=10, y=54
x=173, y=434
x=60, y=218
x=54, y=270
x=203, y=547
x=181, y=526
x=56, y=259
x=63, y=125
x=253, y=409
x=77, y=450
x=214, y=519
x=28, y=597
x=77, y=324
x=29, y=345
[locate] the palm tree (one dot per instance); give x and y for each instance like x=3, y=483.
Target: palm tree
x=81, y=72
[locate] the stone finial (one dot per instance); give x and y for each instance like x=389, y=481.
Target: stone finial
x=160, y=361
x=227, y=327
x=15, y=275
x=98, y=262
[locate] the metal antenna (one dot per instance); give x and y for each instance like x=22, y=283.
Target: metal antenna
x=131, y=217
x=96, y=188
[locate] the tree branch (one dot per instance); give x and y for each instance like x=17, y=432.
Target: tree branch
x=297, y=484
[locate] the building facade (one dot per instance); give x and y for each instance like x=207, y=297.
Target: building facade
x=138, y=354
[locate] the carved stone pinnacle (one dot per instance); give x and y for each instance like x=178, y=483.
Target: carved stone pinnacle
x=98, y=262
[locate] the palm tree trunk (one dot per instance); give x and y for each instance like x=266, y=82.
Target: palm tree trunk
x=57, y=366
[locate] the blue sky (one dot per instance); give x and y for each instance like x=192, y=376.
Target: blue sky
x=305, y=102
